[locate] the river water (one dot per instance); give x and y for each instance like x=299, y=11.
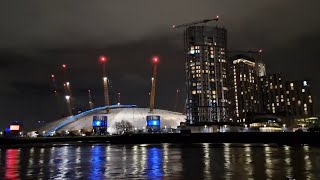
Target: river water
x=160, y=161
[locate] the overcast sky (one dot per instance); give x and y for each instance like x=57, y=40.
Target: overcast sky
x=36, y=37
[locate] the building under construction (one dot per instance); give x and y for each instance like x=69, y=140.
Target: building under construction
x=206, y=74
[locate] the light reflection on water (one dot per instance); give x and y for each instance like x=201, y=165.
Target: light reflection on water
x=196, y=161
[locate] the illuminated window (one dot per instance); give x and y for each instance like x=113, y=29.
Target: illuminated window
x=303, y=90
x=305, y=83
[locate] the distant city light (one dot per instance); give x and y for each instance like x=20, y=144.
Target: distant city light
x=14, y=127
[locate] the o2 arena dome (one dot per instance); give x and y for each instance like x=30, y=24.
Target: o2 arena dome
x=117, y=113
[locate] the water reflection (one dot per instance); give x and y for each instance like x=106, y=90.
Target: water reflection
x=154, y=162
x=196, y=161
x=98, y=160
x=12, y=161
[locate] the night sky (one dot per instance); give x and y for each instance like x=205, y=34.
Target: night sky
x=36, y=37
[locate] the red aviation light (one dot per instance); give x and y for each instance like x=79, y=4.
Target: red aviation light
x=64, y=66
x=155, y=59
x=102, y=59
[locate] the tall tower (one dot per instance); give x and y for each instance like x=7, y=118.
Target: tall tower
x=245, y=92
x=206, y=74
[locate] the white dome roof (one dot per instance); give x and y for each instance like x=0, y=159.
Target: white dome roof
x=136, y=116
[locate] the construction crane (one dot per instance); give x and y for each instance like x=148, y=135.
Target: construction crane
x=196, y=22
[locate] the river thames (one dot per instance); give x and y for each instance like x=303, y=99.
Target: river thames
x=159, y=161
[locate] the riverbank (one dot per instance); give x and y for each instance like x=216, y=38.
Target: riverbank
x=231, y=137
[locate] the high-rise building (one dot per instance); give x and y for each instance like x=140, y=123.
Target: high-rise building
x=206, y=74
x=289, y=99
x=261, y=69
x=244, y=88
x=273, y=95
x=298, y=99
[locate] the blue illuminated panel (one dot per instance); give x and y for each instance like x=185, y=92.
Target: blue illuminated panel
x=100, y=121
x=153, y=120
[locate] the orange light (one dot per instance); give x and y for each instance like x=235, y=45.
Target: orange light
x=102, y=59
x=14, y=127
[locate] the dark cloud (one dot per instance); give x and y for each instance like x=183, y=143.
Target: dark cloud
x=9, y=59
x=23, y=88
